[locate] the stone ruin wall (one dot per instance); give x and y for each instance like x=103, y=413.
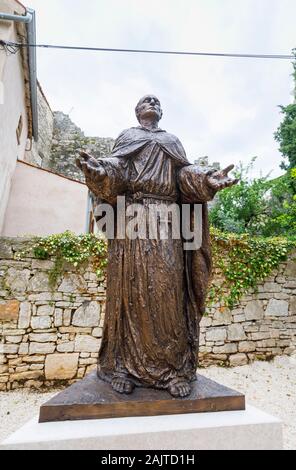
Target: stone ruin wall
x=48, y=338
x=60, y=140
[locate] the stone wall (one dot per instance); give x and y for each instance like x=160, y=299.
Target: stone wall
x=262, y=326
x=41, y=150
x=47, y=337
x=68, y=140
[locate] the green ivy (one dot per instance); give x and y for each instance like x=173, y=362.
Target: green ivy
x=66, y=248
x=242, y=262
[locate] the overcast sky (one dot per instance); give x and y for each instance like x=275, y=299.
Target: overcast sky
x=221, y=107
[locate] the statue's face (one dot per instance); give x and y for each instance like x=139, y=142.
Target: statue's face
x=149, y=107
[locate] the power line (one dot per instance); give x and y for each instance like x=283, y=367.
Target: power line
x=12, y=45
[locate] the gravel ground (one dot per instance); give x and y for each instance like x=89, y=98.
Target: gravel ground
x=269, y=386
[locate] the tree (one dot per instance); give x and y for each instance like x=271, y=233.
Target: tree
x=242, y=208
x=286, y=132
x=257, y=206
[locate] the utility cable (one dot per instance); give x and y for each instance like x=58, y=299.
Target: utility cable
x=12, y=47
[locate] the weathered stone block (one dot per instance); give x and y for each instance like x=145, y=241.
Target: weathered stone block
x=43, y=337
x=42, y=348
x=290, y=270
x=24, y=348
x=222, y=317
x=239, y=318
x=87, y=315
x=90, y=368
x=33, y=384
x=277, y=308
x=206, y=321
x=61, y=366
x=238, y=359
x=9, y=310
x=292, y=305
x=45, y=310
x=3, y=369
x=86, y=343
x=58, y=317
x=9, y=348
x=66, y=347
x=36, y=366
x=266, y=343
x=13, y=332
x=5, y=249
x=227, y=348
x=97, y=333
x=21, y=368
x=235, y=332
x=24, y=315
x=26, y=375
x=246, y=346
x=88, y=360
x=260, y=335
x=39, y=283
x=74, y=329
x=254, y=310
x=17, y=279
x=67, y=317
x=13, y=339
x=4, y=378
x=41, y=264
x=85, y=354
x=39, y=323
x=271, y=287
x=33, y=358
x=80, y=372
x=72, y=283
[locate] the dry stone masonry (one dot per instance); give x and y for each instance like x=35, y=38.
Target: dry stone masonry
x=67, y=141
x=48, y=338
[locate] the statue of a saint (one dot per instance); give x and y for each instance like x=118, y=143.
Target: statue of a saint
x=155, y=289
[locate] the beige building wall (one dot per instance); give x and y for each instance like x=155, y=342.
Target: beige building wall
x=43, y=203
x=12, y=106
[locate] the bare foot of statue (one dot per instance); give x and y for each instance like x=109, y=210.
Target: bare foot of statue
x=179, y=389
x=122, y=385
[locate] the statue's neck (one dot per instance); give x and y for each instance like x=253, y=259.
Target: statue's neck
x=148, y=124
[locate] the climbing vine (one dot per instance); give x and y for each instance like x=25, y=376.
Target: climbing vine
x=240, y=262
x=66, y=248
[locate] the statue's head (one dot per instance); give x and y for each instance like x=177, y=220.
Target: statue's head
x=149, y=107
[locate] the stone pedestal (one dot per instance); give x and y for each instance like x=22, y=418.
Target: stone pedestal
x=226, y=430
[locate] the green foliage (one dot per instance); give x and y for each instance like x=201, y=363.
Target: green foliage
x=282, y=206
x=242, y=261
x=286, y=135
x=286, y=132
x=70, y=248
x=242, y=208
x=258, y=206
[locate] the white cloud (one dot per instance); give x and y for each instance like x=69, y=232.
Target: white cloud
x=221, y=107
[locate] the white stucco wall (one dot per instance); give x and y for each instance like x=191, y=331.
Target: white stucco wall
x=43, y=203
x=12, y=105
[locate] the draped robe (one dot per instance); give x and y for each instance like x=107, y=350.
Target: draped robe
x=155, y=290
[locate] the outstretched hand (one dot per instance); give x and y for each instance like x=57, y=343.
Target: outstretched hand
x=90, y=167
x=219, y=179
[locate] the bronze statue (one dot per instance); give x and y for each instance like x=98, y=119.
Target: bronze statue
x=155, y=289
